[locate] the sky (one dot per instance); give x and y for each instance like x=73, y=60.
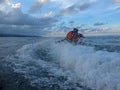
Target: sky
x=57, y=17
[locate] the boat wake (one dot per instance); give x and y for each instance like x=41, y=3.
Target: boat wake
x=53, y=66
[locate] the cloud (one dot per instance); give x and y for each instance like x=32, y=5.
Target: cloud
x=117, y=8
x=77, y=7
x=29, y=25
x=71, y=22
x=6, y=6
x=17, y=5
x=12, y=19
x=2, y=1
x=94, y=30
x=38, y=5
x=80, y=26
x=117, y=1
x=98, y=24
x=5, y=2
x=51, y=17
x=16, y=17
x=24, y=30
x=48, y=14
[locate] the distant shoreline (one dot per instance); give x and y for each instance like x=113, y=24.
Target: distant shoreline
x=11, y=35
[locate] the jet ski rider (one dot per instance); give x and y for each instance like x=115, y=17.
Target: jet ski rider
x=73, y=36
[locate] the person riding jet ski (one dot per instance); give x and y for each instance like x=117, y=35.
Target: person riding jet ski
x=73, y=36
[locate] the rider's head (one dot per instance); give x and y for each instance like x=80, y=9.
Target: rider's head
x=75, y=30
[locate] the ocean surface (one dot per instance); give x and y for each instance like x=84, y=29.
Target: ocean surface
x=34, y=63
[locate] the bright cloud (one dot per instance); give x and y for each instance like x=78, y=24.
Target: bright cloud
x=17, y=5
x=48, y=14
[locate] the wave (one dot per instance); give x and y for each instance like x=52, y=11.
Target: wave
x=50, y=65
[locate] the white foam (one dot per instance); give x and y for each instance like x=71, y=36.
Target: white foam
x=98, y=70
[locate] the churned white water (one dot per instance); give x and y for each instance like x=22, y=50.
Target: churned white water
x=66, y=66
x=97, y=69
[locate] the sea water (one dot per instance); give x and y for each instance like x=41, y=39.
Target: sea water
x=47, y=65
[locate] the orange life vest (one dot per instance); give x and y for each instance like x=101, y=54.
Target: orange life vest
x=72, y=37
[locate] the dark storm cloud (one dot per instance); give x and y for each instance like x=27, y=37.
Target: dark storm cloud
x=98, y=24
